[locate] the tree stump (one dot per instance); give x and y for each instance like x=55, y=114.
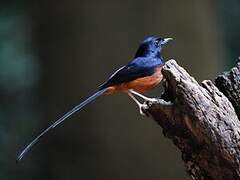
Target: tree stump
x=202, y=120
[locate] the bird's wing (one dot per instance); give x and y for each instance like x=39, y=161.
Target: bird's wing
x=128, y=73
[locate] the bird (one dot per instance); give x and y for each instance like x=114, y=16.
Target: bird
x=141, y=74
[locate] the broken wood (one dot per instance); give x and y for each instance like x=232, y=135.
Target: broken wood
x=202, y=120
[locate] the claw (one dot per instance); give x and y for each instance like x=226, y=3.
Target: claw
x=141, y=111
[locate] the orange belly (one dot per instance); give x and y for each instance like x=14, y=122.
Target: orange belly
x=140, y=85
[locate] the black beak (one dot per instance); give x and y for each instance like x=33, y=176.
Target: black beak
x=166, y=40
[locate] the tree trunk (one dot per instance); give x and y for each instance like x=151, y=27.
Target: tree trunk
x=202, y=120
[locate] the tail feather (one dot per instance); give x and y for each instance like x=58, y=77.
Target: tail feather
x=59, y=121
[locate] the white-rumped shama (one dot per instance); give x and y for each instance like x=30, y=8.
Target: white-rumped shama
x=138, y=76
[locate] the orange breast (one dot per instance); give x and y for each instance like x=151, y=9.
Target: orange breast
x=140, y=85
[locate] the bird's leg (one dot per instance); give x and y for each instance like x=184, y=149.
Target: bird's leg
x=140, y=105
x=142, y=96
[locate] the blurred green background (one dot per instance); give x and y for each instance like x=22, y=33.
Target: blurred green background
x=53, y=54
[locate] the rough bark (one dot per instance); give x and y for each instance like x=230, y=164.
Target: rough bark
x=202, y=121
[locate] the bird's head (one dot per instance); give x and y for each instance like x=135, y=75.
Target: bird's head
x=152, y=46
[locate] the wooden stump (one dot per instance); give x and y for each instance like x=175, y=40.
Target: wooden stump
x=202, y=120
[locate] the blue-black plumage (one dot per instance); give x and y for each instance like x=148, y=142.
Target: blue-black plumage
x=147, y=59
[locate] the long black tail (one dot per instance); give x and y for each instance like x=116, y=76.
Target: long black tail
x=59, y=121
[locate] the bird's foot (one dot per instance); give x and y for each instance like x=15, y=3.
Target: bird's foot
x=142, y=96
x=141, y=106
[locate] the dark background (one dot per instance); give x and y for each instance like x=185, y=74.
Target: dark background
x=53, y=54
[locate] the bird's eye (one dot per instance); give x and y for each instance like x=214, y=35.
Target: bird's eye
x=157, y=42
